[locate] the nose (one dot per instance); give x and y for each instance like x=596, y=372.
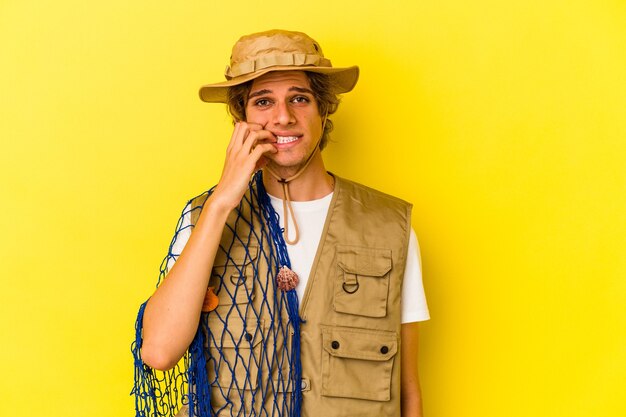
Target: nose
x=283, y=115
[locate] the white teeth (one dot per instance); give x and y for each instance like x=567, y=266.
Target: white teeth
x=286, y=139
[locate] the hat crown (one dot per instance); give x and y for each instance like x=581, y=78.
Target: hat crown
x=277, y=50
x=273, y=42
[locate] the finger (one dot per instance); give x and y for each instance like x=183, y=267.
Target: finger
x=235, y=137
x=255, y=138
x=251, y=127
x=261, y=150
x=261, y=163
x=255, y=126
x=239, y=139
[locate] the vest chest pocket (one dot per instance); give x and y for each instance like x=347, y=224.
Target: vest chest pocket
x=233, y=275
x=358, y=363
x=234, y=354
x=233, y=363
x=362, y=282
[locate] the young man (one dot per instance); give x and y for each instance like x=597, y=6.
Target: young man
x=298, y=293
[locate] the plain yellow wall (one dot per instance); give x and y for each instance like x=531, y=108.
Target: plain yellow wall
x=503, y=122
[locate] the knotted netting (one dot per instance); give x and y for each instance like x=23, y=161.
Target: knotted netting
x=245, y=357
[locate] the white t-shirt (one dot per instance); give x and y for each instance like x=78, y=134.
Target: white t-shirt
x=311, y=216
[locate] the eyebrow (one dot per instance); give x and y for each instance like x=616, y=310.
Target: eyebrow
x=266, y=91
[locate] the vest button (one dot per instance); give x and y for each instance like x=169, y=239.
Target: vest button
x=335, y=344
x=384, y=350
x=248, y=337
x=303, y=385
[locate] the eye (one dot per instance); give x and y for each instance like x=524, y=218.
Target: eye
x=301, y=99
x=262, y=102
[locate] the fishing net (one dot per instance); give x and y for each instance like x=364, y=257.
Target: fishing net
x=245, y=357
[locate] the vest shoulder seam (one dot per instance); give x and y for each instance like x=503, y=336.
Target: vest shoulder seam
x=373, y=191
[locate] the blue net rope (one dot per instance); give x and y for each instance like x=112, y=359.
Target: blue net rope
x=245, y=357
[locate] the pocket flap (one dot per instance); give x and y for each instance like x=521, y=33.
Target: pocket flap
x=352, y=343
x=238, y=255
x=372, y=262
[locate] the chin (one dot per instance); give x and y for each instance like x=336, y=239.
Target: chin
x=282, y=165
x=285, y=161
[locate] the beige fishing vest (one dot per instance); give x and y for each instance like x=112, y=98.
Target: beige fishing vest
x=352, y=306
x=350, y=338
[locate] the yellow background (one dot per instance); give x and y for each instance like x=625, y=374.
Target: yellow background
x=504, y=123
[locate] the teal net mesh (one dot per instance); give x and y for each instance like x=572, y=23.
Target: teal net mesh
x=245, y=357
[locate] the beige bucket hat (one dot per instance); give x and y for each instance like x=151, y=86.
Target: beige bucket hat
x=277, y=50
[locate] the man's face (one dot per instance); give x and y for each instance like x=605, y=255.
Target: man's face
x=283, y=103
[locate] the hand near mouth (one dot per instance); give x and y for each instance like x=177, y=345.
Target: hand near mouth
x=244, y=156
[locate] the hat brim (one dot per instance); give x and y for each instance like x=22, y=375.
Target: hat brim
x=344, y=80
